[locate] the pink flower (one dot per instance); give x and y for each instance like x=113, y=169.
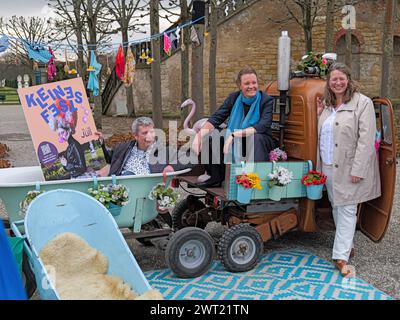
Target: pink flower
x=324, y=61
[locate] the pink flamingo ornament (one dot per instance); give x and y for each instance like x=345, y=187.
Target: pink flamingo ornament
x=196, y=128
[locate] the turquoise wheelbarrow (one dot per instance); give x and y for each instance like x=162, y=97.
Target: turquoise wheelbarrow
x=59, y=211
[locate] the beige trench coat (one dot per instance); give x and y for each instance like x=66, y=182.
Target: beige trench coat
x=354, y=152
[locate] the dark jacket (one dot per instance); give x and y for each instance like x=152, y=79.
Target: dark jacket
x=75, y=155
x=266, y=105
x=117, y=158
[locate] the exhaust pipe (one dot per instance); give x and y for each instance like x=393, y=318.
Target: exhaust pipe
x=283, y=81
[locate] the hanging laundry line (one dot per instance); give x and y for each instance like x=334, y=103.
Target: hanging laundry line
x=112, y=45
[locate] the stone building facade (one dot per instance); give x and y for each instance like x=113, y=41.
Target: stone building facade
x=248, y=36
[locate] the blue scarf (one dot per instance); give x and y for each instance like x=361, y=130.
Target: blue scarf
x=237, y=120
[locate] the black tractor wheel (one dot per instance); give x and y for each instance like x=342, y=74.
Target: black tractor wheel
x=185, y=214
x=240, y=248
x=190, y=252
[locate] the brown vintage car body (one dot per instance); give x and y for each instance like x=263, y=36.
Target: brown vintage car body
x=300, y=141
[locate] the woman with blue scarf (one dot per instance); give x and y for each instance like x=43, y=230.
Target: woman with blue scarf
x=250, y=115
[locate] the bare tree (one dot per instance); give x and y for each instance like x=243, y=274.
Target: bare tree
x=156, y=65
x=71, y=22
x=304, y=13
x=330, y=25
x=387, y=47
x=185, y=38
x=197, y=70
x=212, y=65
x=123, y=12
x=31, y=30
x=93, y=9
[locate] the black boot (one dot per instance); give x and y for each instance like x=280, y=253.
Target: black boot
x=217, y=176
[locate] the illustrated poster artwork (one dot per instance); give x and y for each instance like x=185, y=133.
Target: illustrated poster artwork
x=62, y=129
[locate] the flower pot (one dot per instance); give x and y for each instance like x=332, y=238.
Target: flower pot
x=275, y=193
x=314, y=192
x=160, y=209
x=244, y=194
x=114, y=209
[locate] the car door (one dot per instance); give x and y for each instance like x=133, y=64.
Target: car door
x=375, y=214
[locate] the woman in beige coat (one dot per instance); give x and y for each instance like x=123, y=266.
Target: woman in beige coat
x=346, y=154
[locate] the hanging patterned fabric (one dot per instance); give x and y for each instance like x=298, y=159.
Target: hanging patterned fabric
x=129, y=71
x=66, y=67
x=4, y=43
x=174, y=41
x=37, y=52
x=167, y=44
x=194, y=37
x=95, y=67
x=120, y=63
x=51, y=67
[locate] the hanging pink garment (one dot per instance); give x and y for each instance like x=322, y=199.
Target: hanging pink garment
x=167, y=44
x=51, y=67
x=120, y=63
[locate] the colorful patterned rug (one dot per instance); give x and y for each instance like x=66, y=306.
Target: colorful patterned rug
x=288, y=275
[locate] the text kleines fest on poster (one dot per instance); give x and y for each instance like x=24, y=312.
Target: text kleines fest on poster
x=62, y=128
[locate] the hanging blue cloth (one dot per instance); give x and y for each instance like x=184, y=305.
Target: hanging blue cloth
x=93, y=83
x=3, y=43
x=37, y=52
x=11, y=287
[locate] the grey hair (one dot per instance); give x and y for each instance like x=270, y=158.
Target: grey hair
x=141, y=121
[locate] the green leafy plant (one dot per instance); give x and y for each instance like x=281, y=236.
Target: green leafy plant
x=116, y=194
x=314, y=63
x=166, y=197
x=24, y=204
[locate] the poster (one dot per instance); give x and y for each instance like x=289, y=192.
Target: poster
x=62, y=129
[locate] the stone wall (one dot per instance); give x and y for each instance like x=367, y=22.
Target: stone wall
x=249, y=37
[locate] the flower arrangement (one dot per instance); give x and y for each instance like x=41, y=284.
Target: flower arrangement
x=24, y=204
x=314, y=63
x=111, y=194
x=277, y=155
x=280, y=176
x=313, y=178
x=166, y=197
x=249, y=181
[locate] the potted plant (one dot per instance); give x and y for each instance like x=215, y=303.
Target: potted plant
x=247, y=182
x=24, y=204
x=314, y=181
x=165, y=197
x=112, y=196
x=278, y=178
x=277, y=155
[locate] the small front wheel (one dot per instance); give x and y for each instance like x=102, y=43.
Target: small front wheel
x=190, y=252
x=240, y=248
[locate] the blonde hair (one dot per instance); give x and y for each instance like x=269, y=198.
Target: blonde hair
x=352, y=86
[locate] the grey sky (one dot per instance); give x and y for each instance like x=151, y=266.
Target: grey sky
x=9, y=8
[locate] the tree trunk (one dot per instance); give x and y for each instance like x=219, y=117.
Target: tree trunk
x=349, y=48
x=185, y=37
x=156, y=65
x=92, y=20
x=212, y=65
x=79, y=39
x=129, y=93
x=197, y=73
x=387, y=48
x=329, y=25
x=307, y=25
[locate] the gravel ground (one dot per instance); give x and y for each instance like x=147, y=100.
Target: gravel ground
x=375, y=263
